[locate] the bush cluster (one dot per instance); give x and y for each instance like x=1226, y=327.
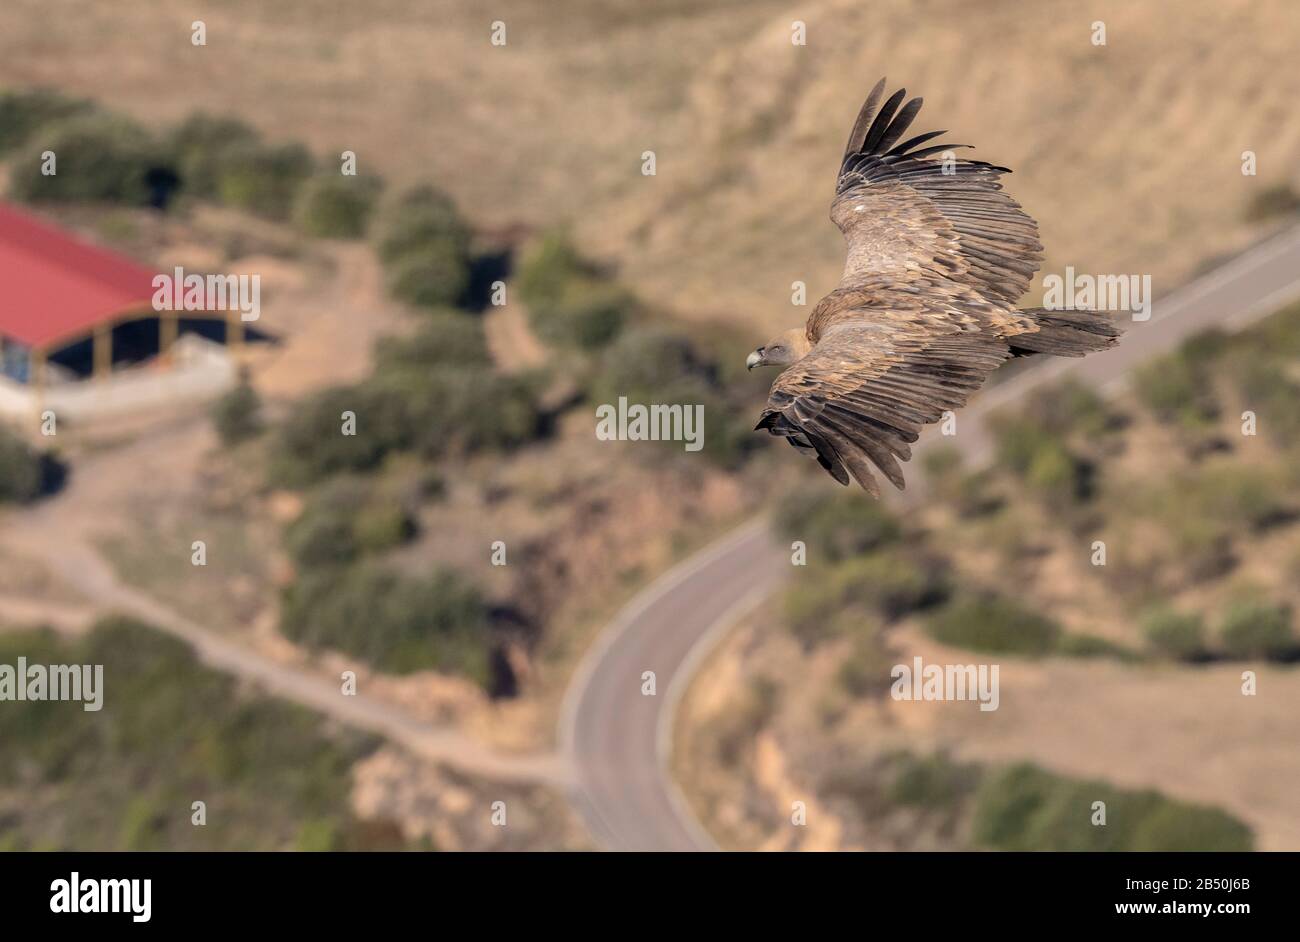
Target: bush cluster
x=20, y=469
x=1025, y=808
x=433, y=393
x=571, y=303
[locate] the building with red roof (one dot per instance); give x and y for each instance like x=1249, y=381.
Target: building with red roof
x=57, y=287
x=70, y=309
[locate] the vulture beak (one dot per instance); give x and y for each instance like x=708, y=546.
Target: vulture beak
x=754, y=359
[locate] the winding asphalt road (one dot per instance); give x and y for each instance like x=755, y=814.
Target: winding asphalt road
x=618, y=739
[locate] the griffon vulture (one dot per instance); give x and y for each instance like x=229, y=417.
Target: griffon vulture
x=938, y=256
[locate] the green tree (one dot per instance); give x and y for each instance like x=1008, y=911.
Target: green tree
x=417, y=218
x=432, y=275
x=393, y=622
x=548, y=266
x=334, y=206
x=263, y=178
x=20, y=469
x=99, y=158
x=238, y=414
x=1253, y=627
x=24, y=112
x=994, y=624
x=835, y=526
x=1175, y=634
x=204, y=147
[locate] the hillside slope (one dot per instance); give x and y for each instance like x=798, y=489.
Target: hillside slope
x=1129, y=153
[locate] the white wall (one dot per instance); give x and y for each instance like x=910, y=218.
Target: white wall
x=202, y=370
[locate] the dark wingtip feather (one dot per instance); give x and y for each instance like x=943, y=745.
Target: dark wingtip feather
x=881, y=124
x=911, y=142
x=865, y=113
x=902, y=121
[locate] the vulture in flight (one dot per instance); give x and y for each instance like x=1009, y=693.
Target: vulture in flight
x=938, y=256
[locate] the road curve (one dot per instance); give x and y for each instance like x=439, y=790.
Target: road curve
x=611, y=731
x=617, y=739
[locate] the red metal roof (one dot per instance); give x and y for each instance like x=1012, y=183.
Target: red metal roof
x=53, y=286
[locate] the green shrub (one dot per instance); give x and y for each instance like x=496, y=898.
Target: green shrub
x=171, y=729
x=24, y=112
x=1023, y=808
x=932, y=781
x=473, y=410
x=1038, y=454
x=204, y=147
x=432, y=276
x=656, y=364
x=452, y=398
x=1017, y=444
x=1071, y=408
x=445, y=339
x=20, y=469
x=98, y=158
x=416, y=219
x=882, y=585
x=1054, y=472
x=393, y=622
x=433, y=392
x=1177, y=388
x=335, y=206
x=835, y=526
x=237, y=415
x=263, y=178
x=810, y=615
x=993, y=624
x=587, y=316
x=1175, y=634
x=571, y=303
x=1253, y=628
x=644, y=361
x=424, y=245
x=1082, y=644
x=547, y=268
x=323, y=536
x=311, y=444
x=892, y=584
x=344, y=520
x=381, y=525
x=1268, y=385
x=1276, y=199
x=1172, y=826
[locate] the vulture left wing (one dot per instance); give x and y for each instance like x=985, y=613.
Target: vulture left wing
x=875, y=378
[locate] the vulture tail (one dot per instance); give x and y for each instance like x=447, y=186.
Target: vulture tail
x=1066, y=333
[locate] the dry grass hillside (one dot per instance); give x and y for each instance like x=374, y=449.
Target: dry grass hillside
x=1129, y=154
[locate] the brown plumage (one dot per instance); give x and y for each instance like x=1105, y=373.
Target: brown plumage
x=938, y=256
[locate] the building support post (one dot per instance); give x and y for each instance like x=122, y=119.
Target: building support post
x=167, y=331
x=36, y=378
x=36, y=369
x=234, y=333
x=103, y=351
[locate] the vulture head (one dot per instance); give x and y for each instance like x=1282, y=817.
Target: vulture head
x=786, y=348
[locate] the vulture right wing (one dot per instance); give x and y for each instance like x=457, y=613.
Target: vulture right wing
x=902, y=211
